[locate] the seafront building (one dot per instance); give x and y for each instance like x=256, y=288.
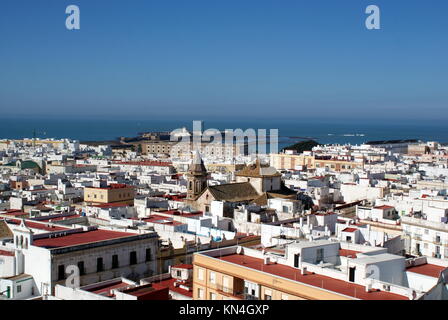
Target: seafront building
x=145, y=218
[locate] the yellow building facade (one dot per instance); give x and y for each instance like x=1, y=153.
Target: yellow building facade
x=111, y=194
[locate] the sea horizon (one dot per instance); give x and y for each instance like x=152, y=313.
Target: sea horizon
x=324, y=131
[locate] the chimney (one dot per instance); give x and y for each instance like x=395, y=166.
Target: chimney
x=303, y=271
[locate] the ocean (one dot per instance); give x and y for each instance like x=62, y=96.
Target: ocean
x=290, y=131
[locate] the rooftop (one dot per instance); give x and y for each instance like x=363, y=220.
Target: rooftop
x=169, y=283
x=430, y=270
x=384, y=207
x=80, y=238
x=38, y=225
x=113, y=186
x=161, y=220
x=146, y=163
x=320, y=281
x=106, y=288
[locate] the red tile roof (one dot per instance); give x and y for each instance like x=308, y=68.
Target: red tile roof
x=346, y=253
x=183, y=214
x=349, y=230
x=146, y=163
x=48, y=218
x=183, y=266
x=107, y=289
x=80, y=238
x=6, y=253
x=430, y=270
x=114, y=186
x=161, y=220
x=169, y=283
x=383, y=207
x=37, y=225
x=16, y=213
x=320, y=281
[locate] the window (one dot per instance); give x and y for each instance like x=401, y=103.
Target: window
x=212, y=277
x=179, y=273
x=225, y=284
x=201, y=274
x=200, y=293
x=426, y=231
x=81, y=268
x=99, y=265
x=320, y=255
x=133, y=258
x=61, y=272
x=212, y=296
x=115, y=263
x=267, y=294
x=148, y=254
x=296, y=260
x=351, y=276
x=19, y=288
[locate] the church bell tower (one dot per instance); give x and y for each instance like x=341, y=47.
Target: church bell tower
x=196, y=177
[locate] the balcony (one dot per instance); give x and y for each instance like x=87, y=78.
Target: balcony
x=223, y=289
x=417, y=236
x=237, y=294
x=249, y=297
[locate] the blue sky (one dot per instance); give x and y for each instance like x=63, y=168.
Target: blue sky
x=225, y=58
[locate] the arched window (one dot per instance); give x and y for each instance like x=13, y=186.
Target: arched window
x=21, y=240
x=26, y=243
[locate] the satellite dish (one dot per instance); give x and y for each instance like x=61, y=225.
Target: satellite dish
x=239, y=250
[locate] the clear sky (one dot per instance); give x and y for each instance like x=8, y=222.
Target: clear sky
x=213, y=58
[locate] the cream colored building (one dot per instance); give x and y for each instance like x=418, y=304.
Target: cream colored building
x=183, y=150
x=315, y=270
x=283, y=161
x=110, y=194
